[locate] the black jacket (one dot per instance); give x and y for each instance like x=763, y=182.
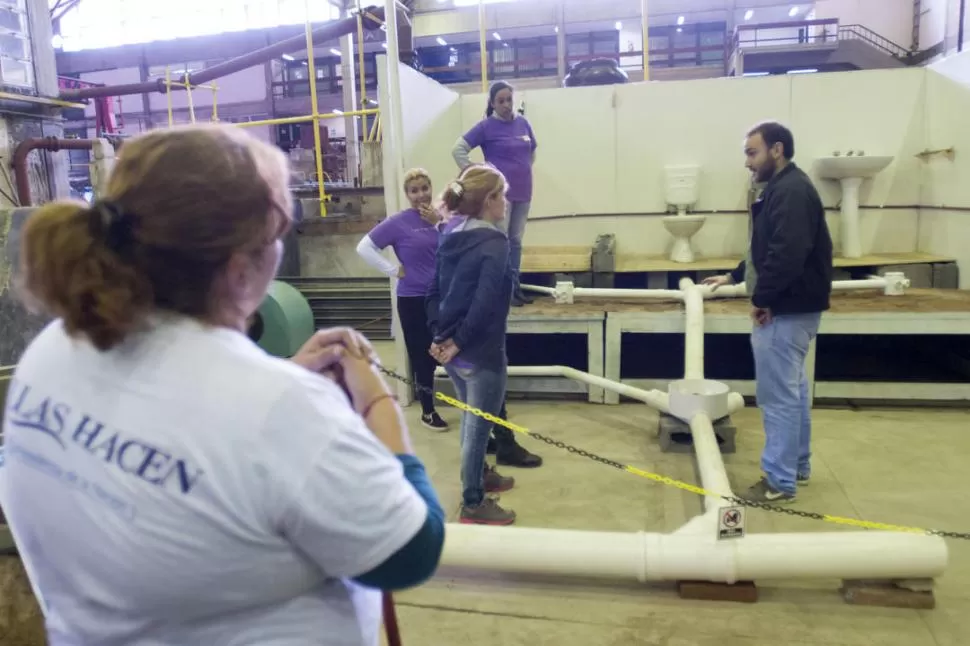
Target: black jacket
x=790, y=246
x=471, y=294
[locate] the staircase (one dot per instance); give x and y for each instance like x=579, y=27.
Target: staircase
x=361, y=303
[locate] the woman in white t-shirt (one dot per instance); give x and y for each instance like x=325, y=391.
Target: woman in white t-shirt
x=168, y=482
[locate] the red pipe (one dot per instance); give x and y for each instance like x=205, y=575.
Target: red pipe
x=20, y=170
x=334, y=29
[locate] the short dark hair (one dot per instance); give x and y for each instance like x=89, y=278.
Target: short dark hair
x=775, y=133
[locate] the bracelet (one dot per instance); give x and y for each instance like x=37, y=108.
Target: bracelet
x=374, y=402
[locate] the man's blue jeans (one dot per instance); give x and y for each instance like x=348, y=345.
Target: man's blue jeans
x=485, y=390
x=780, y=348
x=516, y=216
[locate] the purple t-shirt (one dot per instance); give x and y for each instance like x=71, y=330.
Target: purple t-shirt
x=415, y=242
x=507, y=145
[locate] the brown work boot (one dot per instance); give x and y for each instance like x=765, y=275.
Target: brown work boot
x=487, y=513
x=495, y=482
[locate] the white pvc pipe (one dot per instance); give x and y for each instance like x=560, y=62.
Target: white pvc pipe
x=646, y=557
x=656, y=399
x=739, y=290
x=693, y=329
x=537, y=288
x=660, y=294
x=714, y=477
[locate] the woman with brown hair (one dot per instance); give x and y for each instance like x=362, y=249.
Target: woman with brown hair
x=169, y=482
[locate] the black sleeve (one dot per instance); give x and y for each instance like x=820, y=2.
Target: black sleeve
x=790, y=223
x=737, y=274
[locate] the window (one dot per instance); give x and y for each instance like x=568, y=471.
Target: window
x=94, y=24
x=16, y=61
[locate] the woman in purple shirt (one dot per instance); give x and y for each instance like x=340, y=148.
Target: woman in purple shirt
x=413, y=235
x=508, y=144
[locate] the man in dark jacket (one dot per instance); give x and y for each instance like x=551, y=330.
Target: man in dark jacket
x=788, y=275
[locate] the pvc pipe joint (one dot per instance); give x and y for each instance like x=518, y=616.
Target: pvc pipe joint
x=565, y=291
x=688, y=397
x=896, y=283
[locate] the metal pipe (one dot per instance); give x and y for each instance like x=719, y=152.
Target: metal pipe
x=330, y=30
x=303, y=119
x=53, y=144
x=363, y=72
x=645, y=20
x=661, y=294
x=314, y=107
x=394, y=94
x=483, y=48
x=961, y=26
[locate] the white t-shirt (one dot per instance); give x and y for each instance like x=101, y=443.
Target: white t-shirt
x=186, y=488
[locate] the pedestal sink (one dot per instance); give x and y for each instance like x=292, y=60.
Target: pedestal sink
x=850, y=171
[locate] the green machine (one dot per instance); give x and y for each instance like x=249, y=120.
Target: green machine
x=284, y=321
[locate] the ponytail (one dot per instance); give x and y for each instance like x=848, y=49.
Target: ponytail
x=467, y=194
x=72, y=264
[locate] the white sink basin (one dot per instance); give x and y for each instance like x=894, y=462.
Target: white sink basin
x=849, y=167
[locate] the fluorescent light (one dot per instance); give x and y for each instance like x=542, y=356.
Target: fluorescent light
x=287, y=57
x=335, y=51
x=619, y=25
x=793, y=11
x=336, y=111
x=556, y=29
x=807, y=71
x=384, y=45
x=441, y=41
x=755, y=74
x=748, y=14
x=680, y=20
x=497, y=37
x=680, y=30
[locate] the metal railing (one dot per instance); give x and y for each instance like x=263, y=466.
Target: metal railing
x=827, y=31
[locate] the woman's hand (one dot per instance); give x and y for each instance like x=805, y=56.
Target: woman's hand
x=326, y=348
x=429, y=214
x=444, y=352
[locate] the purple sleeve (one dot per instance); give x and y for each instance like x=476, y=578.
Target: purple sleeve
x=531, y=136
x=385, y=233
x=476, y=136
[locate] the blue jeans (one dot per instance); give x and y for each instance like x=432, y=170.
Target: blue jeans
x=485, y=390
x=516, y=215
x=779, y=349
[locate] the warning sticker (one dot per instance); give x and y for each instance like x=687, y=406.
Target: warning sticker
x=730, y=523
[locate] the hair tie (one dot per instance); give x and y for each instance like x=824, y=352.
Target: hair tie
x=457, y=188
x=111, y=222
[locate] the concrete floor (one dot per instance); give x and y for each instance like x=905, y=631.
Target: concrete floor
x=897, y=466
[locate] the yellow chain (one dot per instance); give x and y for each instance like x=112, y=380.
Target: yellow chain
x=700, y=491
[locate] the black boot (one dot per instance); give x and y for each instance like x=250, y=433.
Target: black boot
x=509, y=453
x=522, y=296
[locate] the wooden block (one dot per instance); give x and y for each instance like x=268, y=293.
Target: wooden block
x=740, y=592
x=886, y=594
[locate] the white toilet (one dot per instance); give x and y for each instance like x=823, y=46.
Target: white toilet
x=682, y=187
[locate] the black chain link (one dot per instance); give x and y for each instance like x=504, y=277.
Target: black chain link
x=734, y=500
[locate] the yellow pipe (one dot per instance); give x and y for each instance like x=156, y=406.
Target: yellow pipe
x=188, y=97
x=168, y=95
x=306, y=118
x=215, y=102
x=362, y=73
x=645, y=17
x=483, y=48
x=314, y=106
x=41, y=100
